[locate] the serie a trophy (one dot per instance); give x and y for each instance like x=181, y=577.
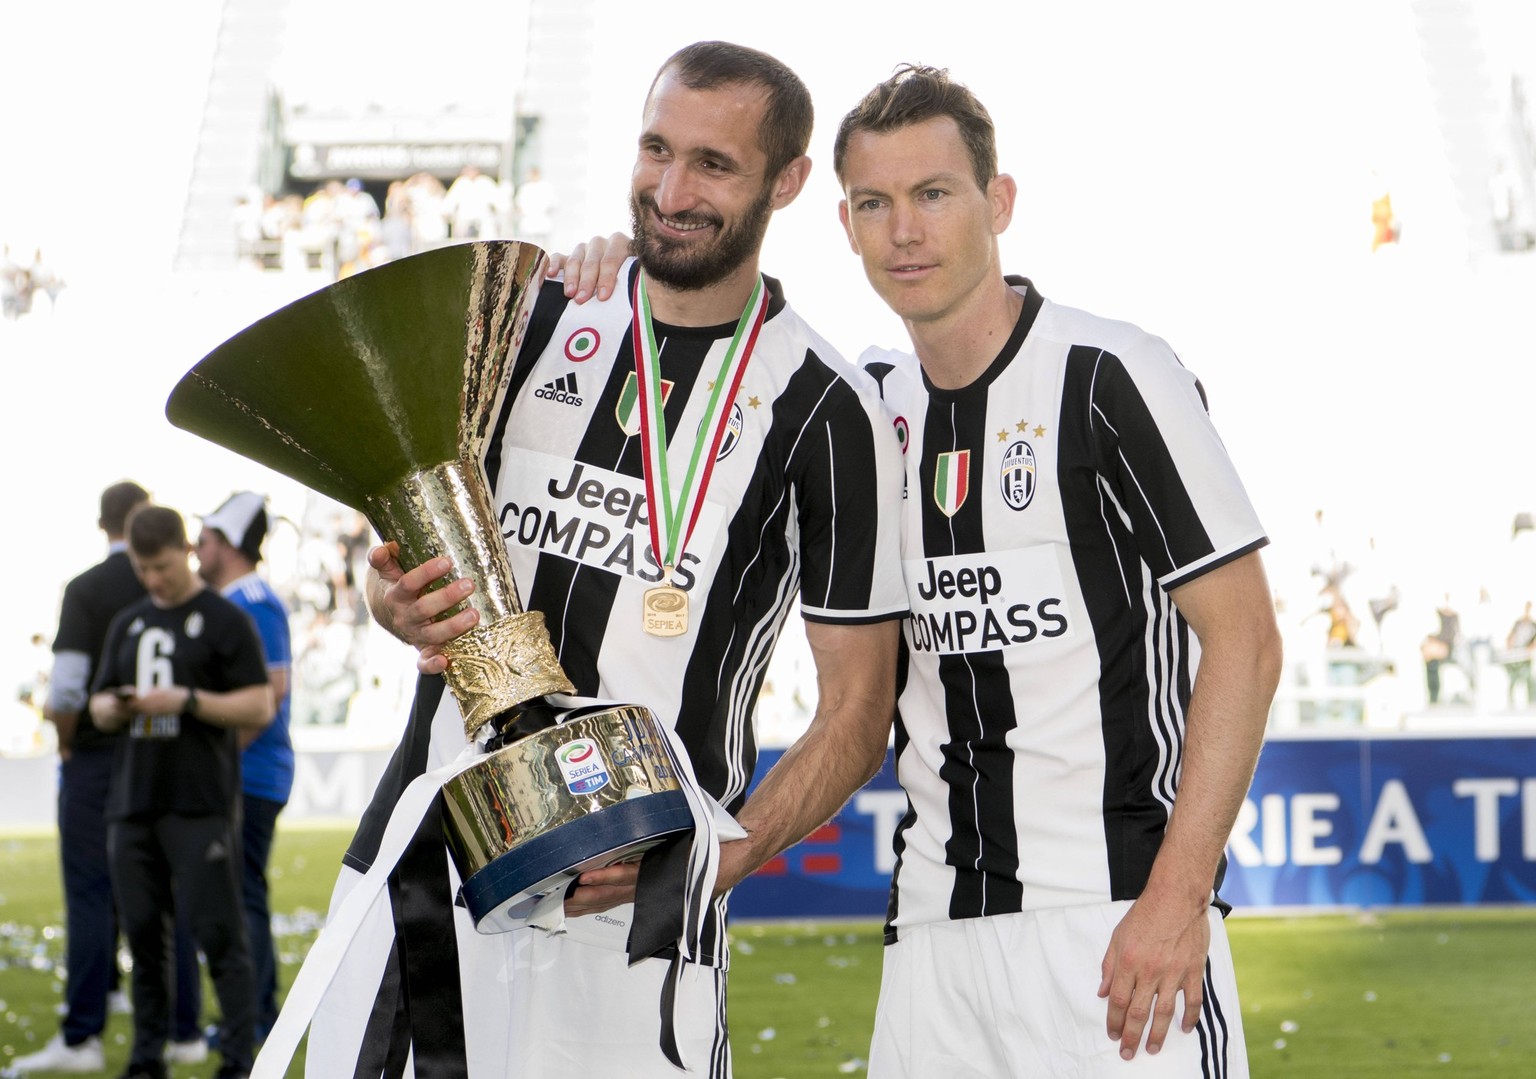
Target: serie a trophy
x=378, y=391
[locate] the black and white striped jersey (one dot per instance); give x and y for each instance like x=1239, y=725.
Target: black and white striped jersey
x=801, y=499
x=1050, y=506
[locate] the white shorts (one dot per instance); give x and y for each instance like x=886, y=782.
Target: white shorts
x=584, y=1010
x=536, y=1005
x=1017, y=995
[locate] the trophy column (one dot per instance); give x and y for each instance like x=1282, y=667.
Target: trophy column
x=507, y=659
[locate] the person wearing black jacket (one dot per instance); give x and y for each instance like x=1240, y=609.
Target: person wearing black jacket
x=181, y=672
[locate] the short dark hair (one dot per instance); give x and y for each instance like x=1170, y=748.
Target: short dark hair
x=152, y=529
x=916, y=93
x=116, y=502
x=785, y=132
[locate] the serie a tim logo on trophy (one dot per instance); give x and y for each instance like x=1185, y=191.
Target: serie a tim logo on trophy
x=379, y=391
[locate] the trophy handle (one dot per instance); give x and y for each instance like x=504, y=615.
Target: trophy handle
x=508, y=658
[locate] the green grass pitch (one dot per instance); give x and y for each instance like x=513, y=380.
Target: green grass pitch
x=1396, y=994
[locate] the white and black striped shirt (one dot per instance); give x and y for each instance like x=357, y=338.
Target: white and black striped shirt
x=800, y=501
x=1050, y=507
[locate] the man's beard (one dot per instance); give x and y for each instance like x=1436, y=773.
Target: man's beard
x=687, y=266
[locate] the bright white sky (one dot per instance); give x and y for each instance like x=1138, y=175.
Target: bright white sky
x=1202, y=168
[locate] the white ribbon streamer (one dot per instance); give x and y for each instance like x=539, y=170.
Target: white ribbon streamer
x=330, y=947
x=711, y=823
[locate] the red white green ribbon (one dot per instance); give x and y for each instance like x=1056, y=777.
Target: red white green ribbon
x=673, y=519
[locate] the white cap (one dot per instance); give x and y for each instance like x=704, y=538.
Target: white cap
x=242, y=518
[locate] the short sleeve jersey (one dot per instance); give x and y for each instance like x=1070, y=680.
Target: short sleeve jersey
x=1050, y=507
x=90, y=602
x=799, y=502
x=177, y=763
x=266, y=765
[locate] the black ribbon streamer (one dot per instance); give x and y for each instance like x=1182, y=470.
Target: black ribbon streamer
x=658, y=924
x=424, y=932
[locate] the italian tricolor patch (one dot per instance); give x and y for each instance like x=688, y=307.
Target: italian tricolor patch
x=951, y=481
x=625, y=411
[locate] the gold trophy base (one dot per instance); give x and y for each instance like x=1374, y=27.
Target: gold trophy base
x=523, y=821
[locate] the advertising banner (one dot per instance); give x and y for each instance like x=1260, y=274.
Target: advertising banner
x=1328, y=822
x=841, y=870
x=1387, y=821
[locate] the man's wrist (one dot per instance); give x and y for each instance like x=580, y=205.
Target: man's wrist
x=377, y=607
x=190, y=708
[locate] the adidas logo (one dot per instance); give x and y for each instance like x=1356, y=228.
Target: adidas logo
x=562, y=390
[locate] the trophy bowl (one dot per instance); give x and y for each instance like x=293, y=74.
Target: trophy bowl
x=600, y=787
x=379, y=391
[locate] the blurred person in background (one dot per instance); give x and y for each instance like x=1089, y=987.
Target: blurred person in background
x=1444, y=646
x=282, y=222
x=182, y=671
x=1520, y=647
x=1386, y=229
x=356, y=216
x=473, y=205
x=228, y=551
x=319, y=233
x=1510, y=226
x=429, y=222
x=43, y=278
x=33, y=690
x=15, y=286
x=250, y=209
x=90, y=602
x=395, y=227
x=535, y=207
x=1343, y=626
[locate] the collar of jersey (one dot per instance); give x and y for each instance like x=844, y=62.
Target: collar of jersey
x=724, y=329
x=1032, y=304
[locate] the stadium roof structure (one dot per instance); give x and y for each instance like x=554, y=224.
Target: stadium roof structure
x=375, y=142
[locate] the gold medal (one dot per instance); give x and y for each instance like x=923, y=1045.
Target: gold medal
x=665, y=609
